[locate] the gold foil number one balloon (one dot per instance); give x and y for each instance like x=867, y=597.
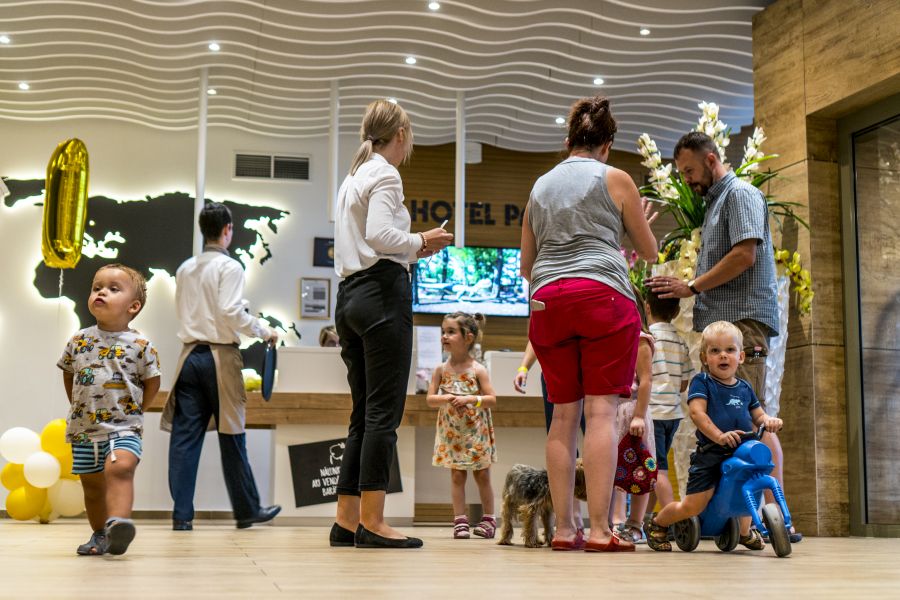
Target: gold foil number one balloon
x=65, y=205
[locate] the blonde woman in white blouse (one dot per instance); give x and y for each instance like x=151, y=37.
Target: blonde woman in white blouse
x=373, y=249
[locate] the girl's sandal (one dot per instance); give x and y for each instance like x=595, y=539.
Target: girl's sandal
x=94, y=546
x=486, y=528
x=658, y=537
x=631, y=533
x=461, y=528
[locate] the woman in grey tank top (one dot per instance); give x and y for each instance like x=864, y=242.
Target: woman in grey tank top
x=584, y=323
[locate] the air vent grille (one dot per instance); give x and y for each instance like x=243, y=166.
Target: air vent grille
x=267, y=166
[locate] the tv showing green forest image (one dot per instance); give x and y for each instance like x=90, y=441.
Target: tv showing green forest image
x=471, y=279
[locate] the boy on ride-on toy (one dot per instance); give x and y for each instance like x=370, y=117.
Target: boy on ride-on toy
x=723, y=408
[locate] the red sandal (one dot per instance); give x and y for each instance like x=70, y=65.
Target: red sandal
x=576, y=544
x=613, y=545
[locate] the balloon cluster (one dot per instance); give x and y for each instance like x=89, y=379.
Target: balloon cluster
x=38, y=474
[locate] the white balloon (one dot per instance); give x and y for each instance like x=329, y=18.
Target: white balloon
x=66, y=498
x=18, y=443
x=42, y=469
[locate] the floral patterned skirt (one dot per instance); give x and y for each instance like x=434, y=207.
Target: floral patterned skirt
x=464, y=439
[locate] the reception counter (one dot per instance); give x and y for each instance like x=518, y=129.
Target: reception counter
x=311, y=403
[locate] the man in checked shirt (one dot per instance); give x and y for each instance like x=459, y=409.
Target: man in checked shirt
x=735, y=277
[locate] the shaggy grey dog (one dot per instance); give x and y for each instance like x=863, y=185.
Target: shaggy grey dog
x=526, y=496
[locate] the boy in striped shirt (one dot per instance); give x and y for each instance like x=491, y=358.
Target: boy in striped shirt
x=672, y=371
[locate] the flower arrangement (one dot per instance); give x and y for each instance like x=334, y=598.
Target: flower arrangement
x=688, y=208
x=800, y=277
x=638, y=270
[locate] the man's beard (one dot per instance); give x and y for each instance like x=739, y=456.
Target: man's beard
x=702, y=186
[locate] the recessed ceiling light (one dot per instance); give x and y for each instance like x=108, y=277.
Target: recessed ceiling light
x=215, y=47
x=645, y=31
x=4, y=39
x=434, y=5
x=24, y=86
x=211, y=91
x=410, y=60
x=560, y=121
x=392, y=100
x=598, y=81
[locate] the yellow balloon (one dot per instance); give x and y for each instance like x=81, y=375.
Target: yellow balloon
x=65, y=205
x=53, y=438
x=21, y=504
x=65, y=465
x=12, y=476
x=46, y=514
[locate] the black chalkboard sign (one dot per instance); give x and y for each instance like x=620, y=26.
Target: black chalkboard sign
x=315, y=469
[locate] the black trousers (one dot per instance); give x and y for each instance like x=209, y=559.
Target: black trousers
x=374, y=321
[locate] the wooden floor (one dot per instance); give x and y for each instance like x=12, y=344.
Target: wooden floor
x=218, y=561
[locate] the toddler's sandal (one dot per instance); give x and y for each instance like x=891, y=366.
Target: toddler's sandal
x=119, y=533
x=657, y=537
x=753, y=540
x=94, y=546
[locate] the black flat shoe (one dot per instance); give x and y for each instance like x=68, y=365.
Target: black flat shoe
x=341, y=537
x=265, y=514
x=182, y=525
x=367, y=539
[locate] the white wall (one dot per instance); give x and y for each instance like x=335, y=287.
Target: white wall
x=129, y=162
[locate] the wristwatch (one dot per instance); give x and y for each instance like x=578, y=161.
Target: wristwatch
x=692, y=288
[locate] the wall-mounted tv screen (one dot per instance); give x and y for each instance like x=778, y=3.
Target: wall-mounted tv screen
x=471, y=279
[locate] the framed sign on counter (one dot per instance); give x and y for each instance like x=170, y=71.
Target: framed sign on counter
x=315, y=298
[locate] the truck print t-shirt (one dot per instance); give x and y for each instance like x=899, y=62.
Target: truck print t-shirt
x=728, y=406
x=108, y=368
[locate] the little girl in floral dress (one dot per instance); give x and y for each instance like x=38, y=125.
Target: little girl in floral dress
x=462, y=392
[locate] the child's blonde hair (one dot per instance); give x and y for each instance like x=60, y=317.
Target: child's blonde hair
x=469, y=324
x=137, y=282
x=719, y=328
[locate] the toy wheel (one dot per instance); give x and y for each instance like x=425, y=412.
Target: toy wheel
x=730, y=536
x=687, y=534
x=778, y=533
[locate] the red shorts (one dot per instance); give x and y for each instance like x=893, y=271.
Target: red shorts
x=586, y=339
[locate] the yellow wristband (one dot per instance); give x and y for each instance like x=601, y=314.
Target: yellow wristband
x=477, y=401
x=523, y=369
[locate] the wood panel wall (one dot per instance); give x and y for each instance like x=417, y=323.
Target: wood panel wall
x=497, y=190
x=814, y=62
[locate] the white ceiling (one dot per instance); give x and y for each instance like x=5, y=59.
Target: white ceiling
x=520, y=62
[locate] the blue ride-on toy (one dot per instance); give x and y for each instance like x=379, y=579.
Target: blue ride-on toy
x=745, y=474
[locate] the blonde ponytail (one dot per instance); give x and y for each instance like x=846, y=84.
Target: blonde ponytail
x=380, y=124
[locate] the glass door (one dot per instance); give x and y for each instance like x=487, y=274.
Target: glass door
x=871, y=179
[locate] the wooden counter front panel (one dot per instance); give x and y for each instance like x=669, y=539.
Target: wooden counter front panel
x=334, y=409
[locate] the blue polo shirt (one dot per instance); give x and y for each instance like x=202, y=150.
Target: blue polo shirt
x=728, y=406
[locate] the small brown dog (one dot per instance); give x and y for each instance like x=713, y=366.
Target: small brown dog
x=526, y=496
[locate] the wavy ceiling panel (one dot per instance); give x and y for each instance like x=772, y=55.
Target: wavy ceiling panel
x=520, y=63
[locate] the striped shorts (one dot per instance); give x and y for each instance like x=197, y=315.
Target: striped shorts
x=90, y=457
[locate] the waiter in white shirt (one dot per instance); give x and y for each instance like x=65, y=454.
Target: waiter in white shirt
x=210, y=305
x=373, y=248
